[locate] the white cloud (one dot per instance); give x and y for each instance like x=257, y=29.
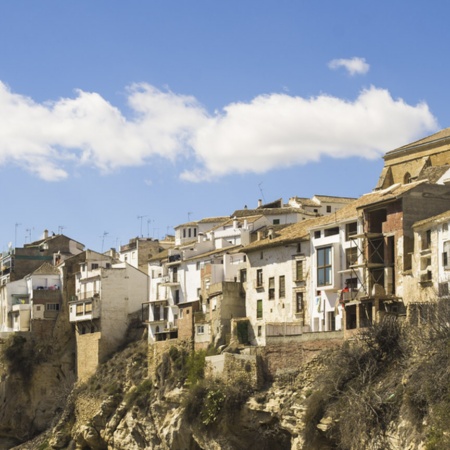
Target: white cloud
x=354, y=66
x=272, y=131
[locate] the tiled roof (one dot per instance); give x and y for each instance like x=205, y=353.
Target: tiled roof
x=443, y=217
x=300, y=231
x=213, y=252
x=229, y=222
x=307, y=201
x=271, y=212
x=46, y=269
x=288, y=233
x=433, y=173
x=334, y=199
x=213, y=219
x=440, y=135
x=159, y=256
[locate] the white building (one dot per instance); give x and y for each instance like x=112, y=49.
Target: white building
x=109, y=294
x=276, y=282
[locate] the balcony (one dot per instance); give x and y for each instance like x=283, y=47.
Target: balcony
x=87, y=309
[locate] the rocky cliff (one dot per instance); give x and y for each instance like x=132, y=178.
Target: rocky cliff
x=388, y=389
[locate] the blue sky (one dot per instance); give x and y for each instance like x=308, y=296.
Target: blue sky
x=121, y=118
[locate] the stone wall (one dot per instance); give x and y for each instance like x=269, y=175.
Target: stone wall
x=235, y=369
x=288, y=354
x=88, y=354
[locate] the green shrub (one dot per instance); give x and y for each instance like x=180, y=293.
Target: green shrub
x=139, y=395
x=196, y=366
x=208, y=402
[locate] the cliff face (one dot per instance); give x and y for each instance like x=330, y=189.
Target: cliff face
x=36, y=375
x=387, y=390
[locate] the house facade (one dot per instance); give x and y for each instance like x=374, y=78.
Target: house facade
x=109, y=295
x=276, y=283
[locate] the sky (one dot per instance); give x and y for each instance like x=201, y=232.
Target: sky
x=123, y=119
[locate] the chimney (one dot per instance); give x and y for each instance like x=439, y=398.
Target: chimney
x=45, y=236
x=235, y=223
x=259, y=203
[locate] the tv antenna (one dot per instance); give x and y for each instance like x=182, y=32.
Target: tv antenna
x=140, y=218
x=262, y=193
x=105, y=233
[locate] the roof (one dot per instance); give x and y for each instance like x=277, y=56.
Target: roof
x=46, y=269
x=307, y=201
x=434, y=138
x=334, y=199
x=284, y=234
x=433, y=173
x=49, y=238
x=204, y=220
x=161, y=255
x=229, y=222
x=271, y=212
x=439, y=218
x=213, y=252
x=300, y=231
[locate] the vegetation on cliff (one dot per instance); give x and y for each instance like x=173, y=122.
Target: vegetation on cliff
x=390, y=385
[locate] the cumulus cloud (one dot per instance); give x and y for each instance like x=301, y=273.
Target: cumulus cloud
x=354, y=66
x=271, y=131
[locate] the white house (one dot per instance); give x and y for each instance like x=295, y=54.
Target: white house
x=276, y=283
x=109, y=294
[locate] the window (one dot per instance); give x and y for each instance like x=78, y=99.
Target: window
x=259, y=278
x=177, y=296
x=351, y=257
x=426, y=240
x=271, y=288
x=351, y=229
x=88, y=307
x=299, y=270
x=445, y=255
x=282, y=287
x=195, y=232
x=80, y=310
x=317, y=234
x=407, y=178
x=94, y=266
x=189, y=232
x=261, y=256
x=331, y=231
x=184, y=232
x=276, y=221
x=175, y=275
x=243, y=275
x=259, y=309
x=299, y=247
x=328, y=208
x=52, y=306
x=324, y=266
x=200, y=329
x=259, y=331
x=299, y=302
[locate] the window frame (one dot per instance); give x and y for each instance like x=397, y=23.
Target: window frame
x=325, y=266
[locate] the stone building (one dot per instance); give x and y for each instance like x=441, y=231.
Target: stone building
x=426, y=158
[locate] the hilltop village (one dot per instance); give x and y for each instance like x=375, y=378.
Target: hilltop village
x=307, y=269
